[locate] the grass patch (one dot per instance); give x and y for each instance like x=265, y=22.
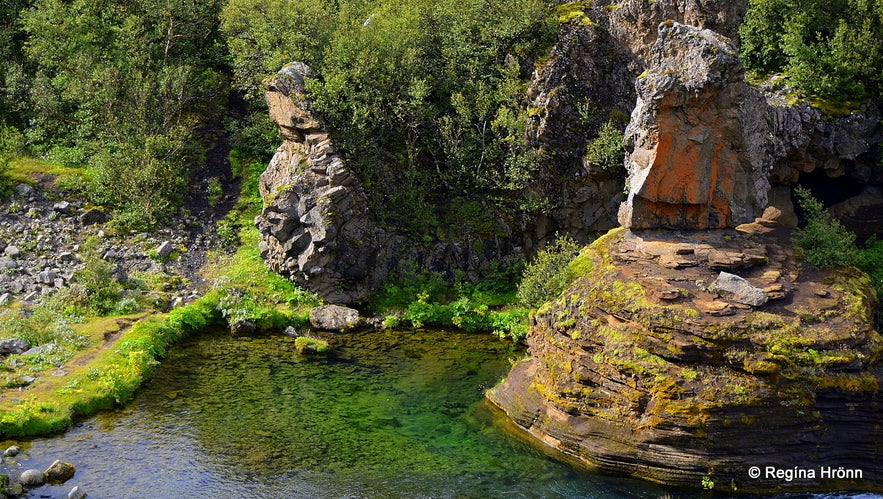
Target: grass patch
x=423, y=299
x=113, y=360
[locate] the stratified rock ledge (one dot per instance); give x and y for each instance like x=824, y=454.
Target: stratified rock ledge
x=641, y=369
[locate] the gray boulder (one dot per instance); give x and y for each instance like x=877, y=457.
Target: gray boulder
x=32, y=478
x=740, y=289
x=165, y=249
x=335, y=318
x=13, y=345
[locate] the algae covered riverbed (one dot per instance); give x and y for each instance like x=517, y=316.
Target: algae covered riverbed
x=389, y=414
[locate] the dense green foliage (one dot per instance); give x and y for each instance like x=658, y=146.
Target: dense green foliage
x=425, y=98
x=121, y=87
x=825, y=241
x=425, y=299
x=830, y=48
x=549, y=274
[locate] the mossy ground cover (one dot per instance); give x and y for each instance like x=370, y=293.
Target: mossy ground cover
x=112, y=356
x=426, y=299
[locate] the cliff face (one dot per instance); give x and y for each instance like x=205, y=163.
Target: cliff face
x=651, y=365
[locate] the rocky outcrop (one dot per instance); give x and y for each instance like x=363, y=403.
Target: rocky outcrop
x=691, y=166
x=588, y=80
x=705, y=146
x=315, y=226
x=642, y=368
x=634, y=22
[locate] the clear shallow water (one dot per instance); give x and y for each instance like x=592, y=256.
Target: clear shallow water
x=389, y=415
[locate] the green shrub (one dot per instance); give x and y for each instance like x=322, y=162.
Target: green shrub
x=548, y=275
x=98, y=279
x=871, y=261
x=830, y=49
x=824, y=240
x=606, y=151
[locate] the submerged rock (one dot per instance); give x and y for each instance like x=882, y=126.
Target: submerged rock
x=675, y=389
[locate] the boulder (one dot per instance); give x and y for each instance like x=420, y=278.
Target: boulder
x=32, y=478
x=76, y=493
x=13, y=345
x=12, y=451
x=165, y=249
x=335, y=318
x=59, y=472
x=243, y=327
x=94, y=216
x=739, y=289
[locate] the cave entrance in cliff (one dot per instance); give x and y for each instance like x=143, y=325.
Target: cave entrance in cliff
x=830, y=190
x=859, y=215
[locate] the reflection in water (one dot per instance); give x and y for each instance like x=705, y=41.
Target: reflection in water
x=390, y=414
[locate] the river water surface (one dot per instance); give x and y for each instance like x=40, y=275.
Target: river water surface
x=390, y=414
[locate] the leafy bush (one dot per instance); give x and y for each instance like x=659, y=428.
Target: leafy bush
x=606, y=151
x=548, y=275
x=830, y=48
x=825, y=241
x=871, y=261
x=424, y=97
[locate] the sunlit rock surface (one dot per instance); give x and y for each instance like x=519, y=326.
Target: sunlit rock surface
x=641, y=368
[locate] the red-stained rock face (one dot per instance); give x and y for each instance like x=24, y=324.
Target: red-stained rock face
x=690, y=168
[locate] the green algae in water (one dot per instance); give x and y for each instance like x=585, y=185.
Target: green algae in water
x=387, y=414
x=384, y=401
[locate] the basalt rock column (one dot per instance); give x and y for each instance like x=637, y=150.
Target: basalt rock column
x=315, y=227
x=690, y=166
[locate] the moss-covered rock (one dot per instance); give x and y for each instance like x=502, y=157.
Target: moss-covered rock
x=640, y=368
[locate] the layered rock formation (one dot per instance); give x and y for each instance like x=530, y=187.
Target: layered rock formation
x=315, y=226
x=643, y=368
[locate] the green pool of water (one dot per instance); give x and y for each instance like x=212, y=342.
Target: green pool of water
x=390, y=414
